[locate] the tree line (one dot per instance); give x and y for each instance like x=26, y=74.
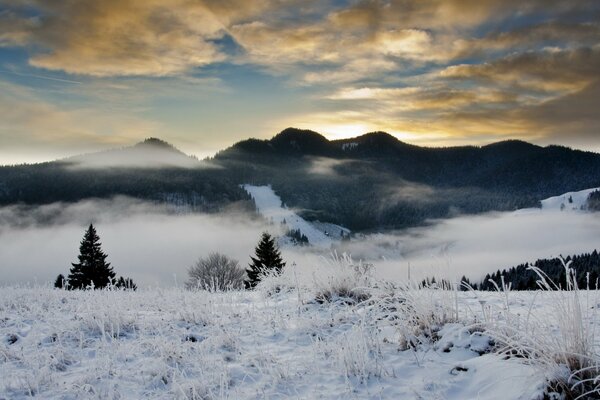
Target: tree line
x=522, y=277
x=584, y=269
x=216, y=272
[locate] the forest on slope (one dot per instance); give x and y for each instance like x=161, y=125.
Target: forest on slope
x=371, y=182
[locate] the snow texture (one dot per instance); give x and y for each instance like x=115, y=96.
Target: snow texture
x=174, y=344
x=271, y=207
x=579, y=200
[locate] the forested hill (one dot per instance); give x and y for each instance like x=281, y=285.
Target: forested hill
x=370, y=182
x=152, y=170
x=376, y=181
x=585, y=266
x=509, y=164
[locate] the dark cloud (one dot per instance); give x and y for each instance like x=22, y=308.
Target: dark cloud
x=545, y=69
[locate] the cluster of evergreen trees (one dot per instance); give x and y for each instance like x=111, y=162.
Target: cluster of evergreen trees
x=586, y=266
x=593, y=201
x=297, y=237
x=92, y=271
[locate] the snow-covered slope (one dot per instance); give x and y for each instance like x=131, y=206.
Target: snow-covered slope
x=271, y=207
x=175, y=344
x=566, y=202
x=571, y=201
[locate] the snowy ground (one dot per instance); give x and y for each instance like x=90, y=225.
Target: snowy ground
x=566, y=202
x=572, y=201
x=271, y=207
x=164, y=344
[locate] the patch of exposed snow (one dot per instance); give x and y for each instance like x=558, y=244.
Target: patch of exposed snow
x=271, y=207
x=566, y=202
x=571, y=201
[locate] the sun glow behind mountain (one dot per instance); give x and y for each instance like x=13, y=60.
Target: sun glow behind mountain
x=79, y=77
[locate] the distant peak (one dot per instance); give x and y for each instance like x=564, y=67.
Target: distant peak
x=377, y=138
x=380, y=135
x=155, y=142
x=511, y=143
x=295, y=133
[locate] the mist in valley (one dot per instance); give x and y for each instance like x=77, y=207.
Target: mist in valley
x=155, y=246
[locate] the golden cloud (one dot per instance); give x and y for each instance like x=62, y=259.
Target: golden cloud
x=548, y=70
x=62, y=131
x=122, y=37
x=396, y=65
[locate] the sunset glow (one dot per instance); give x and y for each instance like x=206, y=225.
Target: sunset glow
x=83, y=76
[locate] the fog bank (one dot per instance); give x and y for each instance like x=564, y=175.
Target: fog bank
x=154, y=247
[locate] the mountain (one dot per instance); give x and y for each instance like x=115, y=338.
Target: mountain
x=150, y=153
x=152, y=170
x=370, y=182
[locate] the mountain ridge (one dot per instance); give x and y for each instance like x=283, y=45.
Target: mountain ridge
x=373, y=181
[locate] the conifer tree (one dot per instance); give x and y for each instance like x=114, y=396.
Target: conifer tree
x=60, y=281
x=92, y=267
x=267, y=260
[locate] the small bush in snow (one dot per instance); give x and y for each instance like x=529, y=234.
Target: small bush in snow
x=217, y=272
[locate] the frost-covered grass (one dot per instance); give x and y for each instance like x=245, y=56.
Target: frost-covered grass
x=279, y=341
x=561, y=336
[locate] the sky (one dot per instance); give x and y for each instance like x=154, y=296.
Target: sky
x=81, y=76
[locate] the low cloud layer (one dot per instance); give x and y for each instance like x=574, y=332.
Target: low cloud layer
x=476, y=245
x=142, y=240
x=155, y=246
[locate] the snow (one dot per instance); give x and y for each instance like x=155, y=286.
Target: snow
x=242, y=345
x=270, y=206
x=579, y=201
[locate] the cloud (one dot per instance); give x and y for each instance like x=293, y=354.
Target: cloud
x=142, y=240
x=326, y=166
x=548, y=70
x=429, y=71
x=131, y=37
x=547, y=34
x=58, y=131
x=155, y=246
x=476, y=245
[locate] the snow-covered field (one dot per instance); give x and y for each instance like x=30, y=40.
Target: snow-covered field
x=176, y=344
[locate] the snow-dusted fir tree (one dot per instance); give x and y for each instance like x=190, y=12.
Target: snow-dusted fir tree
x=92, y=266
x=267, y=260
x=59, y=283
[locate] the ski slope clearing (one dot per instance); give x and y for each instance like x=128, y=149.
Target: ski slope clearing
x=271, y=208
x=172, y=344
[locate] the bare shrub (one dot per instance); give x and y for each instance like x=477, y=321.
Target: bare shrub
x=217, y=272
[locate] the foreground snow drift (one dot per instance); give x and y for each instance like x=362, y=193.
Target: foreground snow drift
x=242, y=345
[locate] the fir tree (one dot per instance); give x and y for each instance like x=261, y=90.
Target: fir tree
x=60, y=281
x=92, y=268
x=267, y=260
